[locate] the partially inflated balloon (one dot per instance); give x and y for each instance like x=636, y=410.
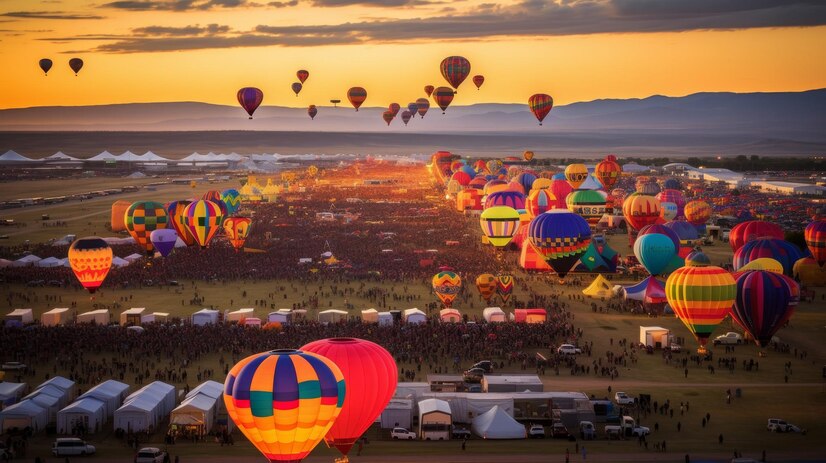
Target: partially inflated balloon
x=561, y=238
x=45, y=65
x=764, y=263
x=809, y=272
x=237, y=229
x=504, y=287
x=284, y=401
x=663, y=230
x=202, y=219
x=560, y=190
x=164, y=240
x=443, y=96
x=540, y=105
x=764, y=303
x=446, y=285
x=142, y=218
x=655, y=252
x=750, y=230
x=118, y=212
x=815, y=236
x=486, y=284
x=499, y=224
x=701, y=296
x=576, y=174
x=455, y=70
x=356, y=96
x=250, y=98
x=232, y=198
x=478, y=80
x=507, y=198
x=76, y=64
x=302, y=75
x=90, y=259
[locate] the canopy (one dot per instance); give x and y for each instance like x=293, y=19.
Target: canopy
x=10, y=157
x=49, y=262
x=25, y=261
x=101, y=317
x=10, y=393
x=89, y=411
x=145, y=408
x=600, y=287
x=648, y=290
x=497, y=424
x=414, y=316
x=529, y=315
x=240, y=314
x=23, y=414
x=208, y=388
x=197, y=410
x=205, y=317
x=110, y=392
x=450, y=316
x=385, y=319
x=282, y=316
x=21, y=316
x=370, y=316
x=57, y=316
x=332, y=316
x=494, y=315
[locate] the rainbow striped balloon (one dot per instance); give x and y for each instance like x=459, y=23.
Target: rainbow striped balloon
x=284, y=401
x=702, y=297
x=202, y=219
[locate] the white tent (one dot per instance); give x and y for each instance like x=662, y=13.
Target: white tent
x=208, y=388
x=205, y=317
x=414, y=316
x=24, y=414
x=132, y=316
x=133, y=257
x=494, y=315
x=58, y=386
x=110, y=392
x=497, y=424
x=54, y=317
x=19, y=317
x=101, y=317
x=197, y=410
x=47, y=401
x=145, y=408
x=119, y=262
x=385, y=319
x=103, y=156
x=450, y=315
x=10, y=157
x=89, y=412
x=10, y=393
x=154, y=317
x=55, y=392
x=238, y=315
x=26, y=261
x=282, y=316
x=397, y=413
x=332, y=316
x=370, y=316
x=49, y=262
x=435, y=419
x=61, y=156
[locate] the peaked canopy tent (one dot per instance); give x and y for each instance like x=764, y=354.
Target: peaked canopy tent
x=49, y=262
x=85, y=413
x=497, y=424
x=59, y=386
x=26, y=261
x=145, y=408
x=22, y=415
x=100, y=317
x=283, y=316
x=414, y=316
x=57, y=316
x=49, y=402
x=195, y=413
x=600, y=287
x=450, y=316
x=110, y=392
x=386, y=319
x=240, y=314
x=11, y=157
x=10, y=393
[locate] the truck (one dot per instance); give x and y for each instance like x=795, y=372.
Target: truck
x=627, y=428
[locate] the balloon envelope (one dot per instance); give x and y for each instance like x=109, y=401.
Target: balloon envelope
x=655, y=252
x=164, y=240
x=202, y=219
x=90, y=259
x=499, y=224
x=45, y=65
x=443, y=96
x=764, y=303
x=250, y=98
x=782, y=251
x=486, y=284
x=701, y=297
x=142, y=218
x=446, y=285
x=750, y=230
x=356, y=96
x=455, y=70
x=561, y=238
x=76, y=64
x=237, y=229
x=815, y=236
x=504, y=287
x=540, y=105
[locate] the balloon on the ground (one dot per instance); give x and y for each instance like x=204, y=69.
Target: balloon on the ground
x=590, y=204
x=446, y=285
x=486, y=284
x=232, y=199
x=697, y=212
x=576, y=174
x=782, y=251
x=655, y=252
x=504, y=287
x=176, y=211
x=202, y=219
x=640, y=210
x=809, y=273
x=90, y=259
x=815, y=236
x=539, y=201
x=237, y=230
x=750, y=230
x=764, y=303
x=164, y=240
x=142, y=218
x=608, y=172
x=561, y=238
x=508, y=198
x=499, y=224
x=764, y=263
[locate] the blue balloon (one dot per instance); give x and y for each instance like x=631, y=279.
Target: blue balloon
x=468, y=170
x=662, y=230
x=684, y=230
x=526, y=179
x=655, y=252
x=561, y=238
x=782, y=251
x=164, y=240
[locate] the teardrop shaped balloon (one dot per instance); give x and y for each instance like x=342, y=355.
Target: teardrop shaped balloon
x=478, y=80
x=455, y=70
x=764, y=303
x=576, y=174
x=486, y=284
x=499, y=224
x=90, y=259
x=701, y=296
x=202, y=219
x=406, y=116
x=608, y=172
x=142, y=218
x=561, y=238
x=296, y=86
x=76, y=64
x=423, y=105
x=447, y=286
x=528, y=155
x=815, y=236
x=250, y=98
x=428, y=89
x=387, y=116
x=412, y=107
x=356, y=96
x=45, y=65
x=164, y=240
x=540, y=105
x=443, y=96
x=371, y=376
x=394, y=108
x=237, y=230
x=284, y=401
x=312, y=111
x=504, y=287
x=302, y=75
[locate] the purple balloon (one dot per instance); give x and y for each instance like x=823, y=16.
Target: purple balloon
x=164, y=240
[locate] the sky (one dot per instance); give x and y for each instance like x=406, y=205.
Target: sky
x=574, y=50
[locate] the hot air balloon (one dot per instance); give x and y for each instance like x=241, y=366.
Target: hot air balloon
x=576, y=175
x=561, y=238
x=526, y=179
x=237, y=229
x=250, y=98
x=701, y=296
x=428, y=89
x=45, y=65
x=202, y=219
x=673, y=196
x=423, y=104
x=744, y=232
x=394, y=108
x=672, y=184
x=312, y=111
x=175, y=212
x=478, y=80
x=590, y=204
x=512, y=199
x=815, y=236
x=560, y=190
x=663, y=230
x=697, y=212
x=118, y=212
x=455, y=70
x=284, y=401
x=371, y=377
x=443, y=96
x=90, y=259
x=809, y=272
x=142, y=218
x=461, y=177
x=540, y=105
x=447, y=285
x=412, y=107
x=499, y=224
x=406, y=116
x=782, y=251
x=387, y=116
x=648, y=188
x=494, y=165
x=764, y=303
x=296, y=87
x=504, y=287
x=164, y=240
x=684, y=230
x=640, y=210
x=486, y=284
x=527, y=155
x=356, y=95
x=302, y=75
x=608, y=172
x=539, y=201
x=232, y=198
x=76, y=64
x=668, y=211
x=655, y=252
x=764, y=263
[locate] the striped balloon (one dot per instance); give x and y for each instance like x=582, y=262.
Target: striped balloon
x=782, y=251
x=701, y=296
x=765, y=301
x=513, y=199
x=202, y=219
x=815, y=235
x=504, y=287
x=356, y=95
x=284, y=401
x=455, y=70
x=540, y=105
x=539, y=201
x=499, y=224
x=176, y=210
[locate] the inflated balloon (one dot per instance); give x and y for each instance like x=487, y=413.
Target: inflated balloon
x=461, y=177
x=486, y=284
x=540, y=105
x=640, y=210
x=387, y=116
x=560, y=190
x=443, y=96
x=672, y=184
x=697, y=258
x=744, y=232
x=608, y=173
x=428, y=89
x=504, y=287
x=116, y=221
x=455, y=70
x=648, y=188
x=45, y=65
x=142, y=218
x=655, y=251
x=764, y=303
x=539, y=201
x=673, y=196
x=697, y=212
x=494, y=165
x=590, y=204
x=701, y=296
x=526, y=179
x=576, y=174
x=453, y=186
x=202, y=219
x=478, y=80
x=668, y=211
x=296, y=87
x=764, y=263
x=302, y=75
x=312, y=111
x=782, y=251
x=809, y=272
x=815, y=236
x=90, y=259
x=412, y=108
x=176, y=211
x=250, y=98
x=232, y=198
x=499, y=224
x=561, y=238
x=76, y=64
x=447, y=286
x=237, y=230
x=164, y=240
x=663, y=230
x=284, y=401
x=684, y=230
x=528, y=155
x=371, y=377
x=541, y=183
x=356, y=96
x=507, y=198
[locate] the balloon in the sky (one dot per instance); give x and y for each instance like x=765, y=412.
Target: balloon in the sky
x=608, y=172
x=455, y=70
x=250, y=98
x=142, y=218
x=815, y=236
x=284, y=401
x=561, y=238
x=782, y=251
x=237, y=230
x=164, y=240
x=312, y=111
x=302, y=75
x=76, y=64
x=539, y=201
x=750, y=230
x=394, y=108
x=697, y=212
x=412, y=107
x=443, y=96
x=406, y=116
x=203, y=218
x=387, y=116
x=478, y=80
x=640, y=210
x=499, y=224
x=447, y=285
x=654, y=251
x=356, y=95
x=486, y=284
x=764, y=303
x=45, y=65
x=576, y=174
x=423, y=104
x=540, y=105
x=175, y=212
x=90, y=259
x=504, y=287
x=527, y=155
x=371, y=377
x=428, y=89
x=296, y=87
x=232, y=198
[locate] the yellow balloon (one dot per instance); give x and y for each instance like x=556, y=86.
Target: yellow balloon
x=763, y=263
x=576, y=174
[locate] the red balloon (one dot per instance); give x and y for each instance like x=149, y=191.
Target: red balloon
x=540, y=105
x=356, y=95
x=478, y=80
x=443, y=97
x=302, y=75
x=250, y=98
x=387, y=116
x=429, y=89
x=455, y=70
x=744, y=232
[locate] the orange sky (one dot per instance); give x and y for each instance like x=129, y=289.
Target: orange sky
x=583, y=64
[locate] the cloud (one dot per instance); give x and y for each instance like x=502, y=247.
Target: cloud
x=186, y=31
x=189, y=5
x=283, y=4
x=384, y=3
x=48, y=15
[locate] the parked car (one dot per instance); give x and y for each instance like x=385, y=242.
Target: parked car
x=729, y=338
x=13, y=366
x=473, y=375
x=461, y=433
x=150, y=455
x=777, y=425
x=70, y=446
x=568, y=349
x=559, y=431
x=537, y=431
x=675, y=347
x=402, y=433
x=622, y=398
x=486, y=365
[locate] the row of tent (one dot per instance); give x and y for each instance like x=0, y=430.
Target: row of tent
x=62, y=316
x=33, y=261
x=12, y=157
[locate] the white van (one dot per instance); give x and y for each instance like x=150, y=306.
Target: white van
x=66, y=446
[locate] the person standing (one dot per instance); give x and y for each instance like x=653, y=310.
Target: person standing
x=584, y=453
